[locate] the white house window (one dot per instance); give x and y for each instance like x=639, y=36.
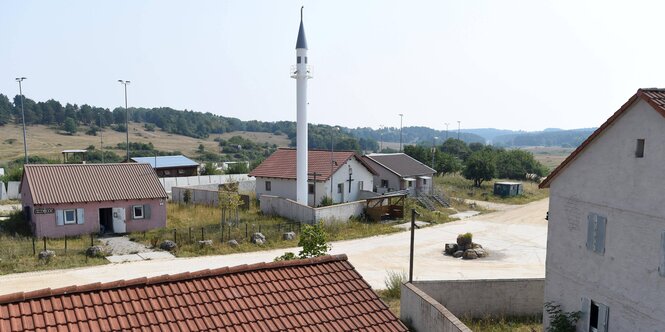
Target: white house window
x=639, y=151
x=268, y=185
x=137, y=212
x=360, y=185
x=310, y=189
x=340, y=188
x=70, y=216
x=596, y=229
x=410, y=183
x=598, y=317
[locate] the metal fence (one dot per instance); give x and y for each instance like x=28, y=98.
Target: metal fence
x=16, y=246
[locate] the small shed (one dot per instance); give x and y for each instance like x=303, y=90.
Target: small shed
x=507, y=189
x=385, y=207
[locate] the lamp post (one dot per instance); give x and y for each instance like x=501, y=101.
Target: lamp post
x=125, y=83
x=401, y=116
x=332, y=160
x=459, y=124
x=101, y=136
x=20, y=91
x=433, y=149
x=446, y=130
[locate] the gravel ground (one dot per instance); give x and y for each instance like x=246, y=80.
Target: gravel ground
x=120, y=245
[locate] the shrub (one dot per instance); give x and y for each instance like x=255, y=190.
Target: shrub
x=313, y=241
x=393, y=282
x=561, y=321
x=187, y=196
x=286, y=257
x=326, y=201
x=465, y=239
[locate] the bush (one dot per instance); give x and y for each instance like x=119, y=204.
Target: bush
x=187, y=196
x=326, y=201
x=561, y=321
x=313, y=240
x=393, y=282
x=286, y=257
x=465, y=239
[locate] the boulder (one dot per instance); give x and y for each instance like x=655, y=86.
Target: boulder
x=289, y=236
x=46, y=254
x=205, y=243
x=232, y=243
x=450, y=248
x=476, y=245
x=480, y=252
x=258, y=238
x=95, y=251
x=458, y=253
x=168, y=245
x=470, y=254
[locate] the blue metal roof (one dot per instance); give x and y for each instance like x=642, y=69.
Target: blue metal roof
x=166, y=161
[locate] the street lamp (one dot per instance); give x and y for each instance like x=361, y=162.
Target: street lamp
x=20, y=91
x=381, y=138
x=459, y=124
x=125, y=83
x=433, y=149
x=332, y=160
x=401, y=116
x=101, y=136
x=446, y=130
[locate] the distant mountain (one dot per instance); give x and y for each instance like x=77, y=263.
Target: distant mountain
x=413, y=135
x=490, y=133
x=566, y=138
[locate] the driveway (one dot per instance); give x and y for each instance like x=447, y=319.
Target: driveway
x=515, y=238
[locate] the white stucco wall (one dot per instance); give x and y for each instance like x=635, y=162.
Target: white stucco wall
x=287, y=188
x=609, y=180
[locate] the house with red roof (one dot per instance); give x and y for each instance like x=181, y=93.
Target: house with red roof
x=317, y=294
x=342, y=175
x=606, y=231
x=73, y=199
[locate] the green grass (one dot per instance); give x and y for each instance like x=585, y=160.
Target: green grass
x=457, y=186
x=505, y=324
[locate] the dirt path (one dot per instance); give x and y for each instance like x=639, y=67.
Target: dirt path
x=516, y=240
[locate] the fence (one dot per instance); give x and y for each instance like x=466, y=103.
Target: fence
x=21, y=246
x=169, y=183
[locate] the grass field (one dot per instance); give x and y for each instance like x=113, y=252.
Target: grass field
x=550, y=156
x=46, y=142
x=505, y=324
x=457, y=186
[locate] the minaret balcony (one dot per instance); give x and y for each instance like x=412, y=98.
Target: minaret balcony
x=296, y=74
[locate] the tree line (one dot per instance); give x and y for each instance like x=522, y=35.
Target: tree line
x=476, y=161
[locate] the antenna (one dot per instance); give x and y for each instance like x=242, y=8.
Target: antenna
x=301, y=9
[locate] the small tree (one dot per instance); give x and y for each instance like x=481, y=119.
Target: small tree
x=201, y=148
x=561, y=321
x=187, y=196
x=313, y=240
x=229, y=201
x=447, y=163
x=480, y=166
x=70, y=126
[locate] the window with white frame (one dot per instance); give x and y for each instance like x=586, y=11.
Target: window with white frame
x=596, y=229
x=137, y=212
x=598, y=315
x=360, y=185
x=268, y=186
x=70, y=216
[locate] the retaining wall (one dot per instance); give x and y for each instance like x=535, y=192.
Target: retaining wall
x=420, y=312
x=169, y=183
x=290, y=209
x=3, y=192
x=208, y=193
x=12, y=190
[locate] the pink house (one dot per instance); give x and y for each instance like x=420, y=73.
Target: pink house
x=72, y=199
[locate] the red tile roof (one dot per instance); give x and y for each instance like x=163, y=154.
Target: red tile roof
x=654, y=97
x=282, y=164
x=69, y=183
x=319, y=294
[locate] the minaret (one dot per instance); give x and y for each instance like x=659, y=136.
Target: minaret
x=301, y=73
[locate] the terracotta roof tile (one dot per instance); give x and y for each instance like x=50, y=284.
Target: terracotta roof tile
x=318, y=294
x=68, y=183
x=282, y=164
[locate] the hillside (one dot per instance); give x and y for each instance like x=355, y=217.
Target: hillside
x=563, y=138
x=47, y=142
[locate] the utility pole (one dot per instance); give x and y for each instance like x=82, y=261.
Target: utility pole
x=101, y=136
x=25, y=143
x=332, y=160
x=401, y=116
x=446, y=130
x=459, y=124
x=125, y=83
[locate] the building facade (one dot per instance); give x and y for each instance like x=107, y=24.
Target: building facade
x=398, y=171
x=170, y=166
x=350, y=175
x=70, y=199
x=606, y=232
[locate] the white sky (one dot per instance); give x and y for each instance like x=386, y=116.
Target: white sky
x=505, y=64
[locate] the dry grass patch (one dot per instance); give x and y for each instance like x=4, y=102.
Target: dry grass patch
x=505, y=324
x=457, y=186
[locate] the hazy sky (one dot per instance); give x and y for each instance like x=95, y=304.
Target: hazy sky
x=504, y=64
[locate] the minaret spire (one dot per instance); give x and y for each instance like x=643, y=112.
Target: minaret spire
x=301, y=73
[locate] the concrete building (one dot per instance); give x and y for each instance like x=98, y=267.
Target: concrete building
x=170, y=166
x=72, y=199
x=398, y=171
x=606, y=232
x=350, y=175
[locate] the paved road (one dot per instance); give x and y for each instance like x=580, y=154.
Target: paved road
x=516, y=239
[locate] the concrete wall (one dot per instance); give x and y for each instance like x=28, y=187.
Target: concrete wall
x=3, y=192
x=208, y=193
x=607, y=179
x=422, y=313
x=290, y=209
x=481, y=298
x=12, y=190
x=169, y=183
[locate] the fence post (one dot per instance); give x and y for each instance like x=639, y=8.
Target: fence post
x=259, y=228
x=34, y=248
x=175, y=235
x=44, y=243
x=222, y=232
x=65, y=244
x=202, y=233
x=246, y=234
x=190, y=235
x=92, y=239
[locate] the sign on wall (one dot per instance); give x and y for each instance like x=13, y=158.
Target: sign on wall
x=44, y=210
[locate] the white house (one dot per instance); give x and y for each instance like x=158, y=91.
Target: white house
x=350, y=175
x=606, y=233
x=399, y=171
